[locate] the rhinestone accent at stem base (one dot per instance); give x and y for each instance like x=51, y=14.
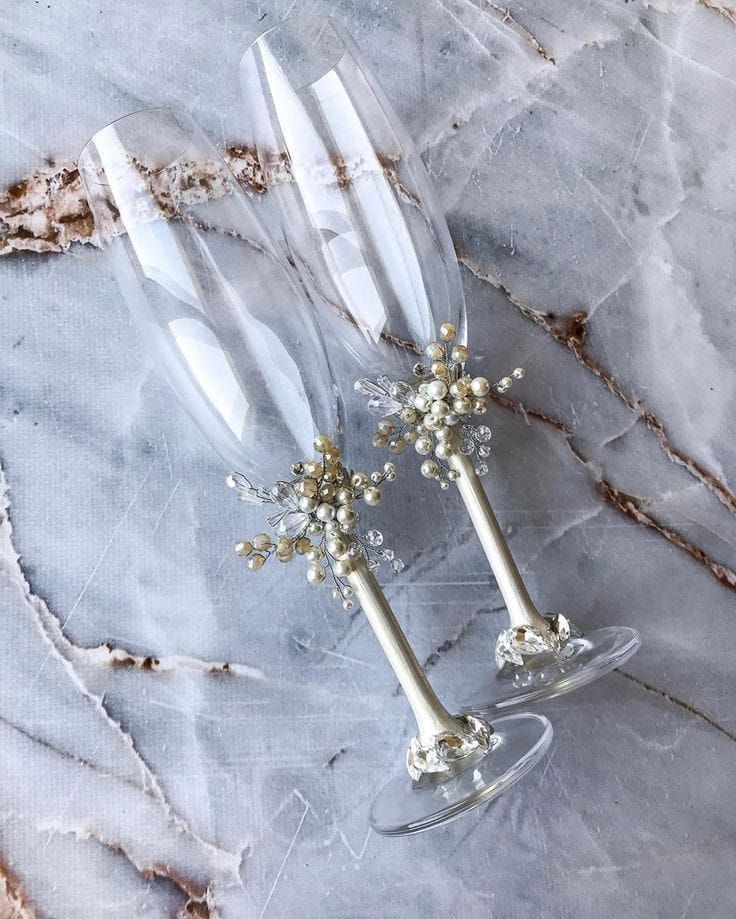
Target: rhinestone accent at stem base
x=518, y=642
x=448, y=748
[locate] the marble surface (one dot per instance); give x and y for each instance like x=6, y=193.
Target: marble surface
x=584, y=153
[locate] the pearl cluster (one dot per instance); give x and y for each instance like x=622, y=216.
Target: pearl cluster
x=317, y=519
x=434, y=410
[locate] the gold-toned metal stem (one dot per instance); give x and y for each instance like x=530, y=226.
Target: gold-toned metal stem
x=432, y=717
x=521, y=609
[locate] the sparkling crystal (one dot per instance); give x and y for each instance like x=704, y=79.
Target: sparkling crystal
x=482, y=433
x=481, y=469
x=467, y=444
x=291, y=524
x=448, y=747
x=372, y=564
x=374, y=538
x=419, y=370
x=380, y=401
x=284, y=493
x=523, y=641
x=398, y=565
x=388, y=554
x=354, y=550
x=484, y=450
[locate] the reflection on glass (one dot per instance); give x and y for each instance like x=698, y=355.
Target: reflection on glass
x=209, y=293
x=357, y=211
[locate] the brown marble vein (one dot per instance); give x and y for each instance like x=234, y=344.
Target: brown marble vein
x=686, y=706
x=213, y=861
x=628, y=505
x=521, y=31
x=14, y=904
x=571, y=331
x=728, y=12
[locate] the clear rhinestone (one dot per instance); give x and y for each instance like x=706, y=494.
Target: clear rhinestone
x=467, y=444
x=374, y=538
x=481, y=469
x=484, y=450
x=482, y=433
x=388, y=554
x=398, y=565
x=448, y=747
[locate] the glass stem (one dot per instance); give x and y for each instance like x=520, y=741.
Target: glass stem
x=521, y=609
x=432, y=717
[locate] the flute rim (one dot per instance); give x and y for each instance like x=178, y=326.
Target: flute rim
x=149, y=110
x=330, y=21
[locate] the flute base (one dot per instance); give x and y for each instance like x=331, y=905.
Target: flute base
x=584, y=659
x=405, y=806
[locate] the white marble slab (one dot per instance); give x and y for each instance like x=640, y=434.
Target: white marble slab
x=584, y=151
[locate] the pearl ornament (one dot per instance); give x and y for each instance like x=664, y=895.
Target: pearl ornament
x=447, y=331
x=430, y=469
x=437, y=389
x=315, y=574
x=347, y=515
x=461, y=406
x=423, y=445
x=460, y=354
x=243, y=548
x=372, y=496
x=256, y=562
x=435, y=351
x=443, y=451
x=325, y=512
x=262, y=542
x=480, y=386
x=342, y=567
x=337, y=545
x=345, y=495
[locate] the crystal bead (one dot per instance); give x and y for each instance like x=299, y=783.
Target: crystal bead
x=374, y=538
x=388, y=554
x=481, y=469
x=467, y=446
x=482, y=433
x=398, y=565
x=484, y=450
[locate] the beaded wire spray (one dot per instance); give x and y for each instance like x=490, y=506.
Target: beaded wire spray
x=317, y=518
x=434, y=410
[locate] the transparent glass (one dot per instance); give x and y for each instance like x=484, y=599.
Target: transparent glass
x=519, y=742
x=209, y=292
x=584, y=659
x=357, y=210
x=230, y=329
x=359, y=217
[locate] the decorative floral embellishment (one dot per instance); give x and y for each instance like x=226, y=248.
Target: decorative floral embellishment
x=434, y=410
x=317, y=518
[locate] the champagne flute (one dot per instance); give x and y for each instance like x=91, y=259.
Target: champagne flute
x=359, y=218
x=228, y=327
